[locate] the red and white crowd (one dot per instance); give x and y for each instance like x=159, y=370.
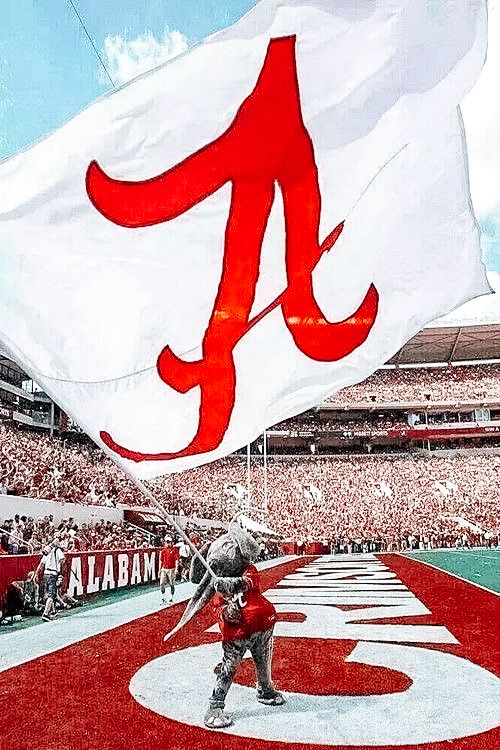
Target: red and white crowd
x=355, y=497
x=33, y=464
x=23, y=534
x=447, y=384
x=358, y=496
x=317, y=423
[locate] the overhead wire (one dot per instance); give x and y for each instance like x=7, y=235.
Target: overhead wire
x=92, y=43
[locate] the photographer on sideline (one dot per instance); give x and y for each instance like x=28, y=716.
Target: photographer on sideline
x=51, y=563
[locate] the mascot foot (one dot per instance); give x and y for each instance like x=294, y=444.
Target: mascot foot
x=271, y=698
x=215, y=718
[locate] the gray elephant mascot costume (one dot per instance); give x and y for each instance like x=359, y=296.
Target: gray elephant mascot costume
x=246, y=618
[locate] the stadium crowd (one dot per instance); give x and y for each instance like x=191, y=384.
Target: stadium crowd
x=317, y=423
x=373, y=497
x=440, y=384
x=23, y=534
x=355, y=498
x=33, y=464
x=357, y=422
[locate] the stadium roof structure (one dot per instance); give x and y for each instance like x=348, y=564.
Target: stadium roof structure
x=5, y=360
x=450, y=344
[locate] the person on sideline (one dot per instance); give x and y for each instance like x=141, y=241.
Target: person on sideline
x=169, y=563
x=51, y=563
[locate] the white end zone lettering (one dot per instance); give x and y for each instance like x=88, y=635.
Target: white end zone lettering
x=108, y=577
x=469, y=695
x=75, y=583
x=150, y=566
x=92, y=573
x=407, y=718
x=122, y=579
x=93, y=584
x=135, y=576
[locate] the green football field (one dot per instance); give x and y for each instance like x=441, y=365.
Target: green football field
x=481, y=566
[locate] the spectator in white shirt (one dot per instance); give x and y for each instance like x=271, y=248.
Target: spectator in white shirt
x=51, y=562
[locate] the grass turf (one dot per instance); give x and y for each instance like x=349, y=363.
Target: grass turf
x=481, y=566
x=93, y=601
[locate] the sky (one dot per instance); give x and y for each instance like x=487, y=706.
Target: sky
x=49, y=72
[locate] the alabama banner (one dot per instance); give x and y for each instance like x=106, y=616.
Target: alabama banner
x=229, y=239
x=89, y=572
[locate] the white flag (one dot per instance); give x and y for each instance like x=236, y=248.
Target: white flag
x=236, y=490
x=385, y=489
x=442, y=487
x=464, y=524
x=311, y=492
x=229, y=239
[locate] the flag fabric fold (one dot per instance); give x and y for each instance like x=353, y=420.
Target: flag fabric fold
x=229, y=239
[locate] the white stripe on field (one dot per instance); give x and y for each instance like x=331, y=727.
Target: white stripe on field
x=20, y=646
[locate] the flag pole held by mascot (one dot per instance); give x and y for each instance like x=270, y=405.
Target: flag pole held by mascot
x=246, y=617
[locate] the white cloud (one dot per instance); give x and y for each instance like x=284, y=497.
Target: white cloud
x=481, y=111
x=5, y=102
x=127, y=58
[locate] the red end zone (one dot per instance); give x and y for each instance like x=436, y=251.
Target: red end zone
x=79, y=697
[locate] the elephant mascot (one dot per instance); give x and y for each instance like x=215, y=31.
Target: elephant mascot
x=246, y=618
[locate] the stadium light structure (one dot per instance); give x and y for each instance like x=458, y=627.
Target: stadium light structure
x=262, y=448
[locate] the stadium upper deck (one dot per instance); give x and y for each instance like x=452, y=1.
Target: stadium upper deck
x=453, y=386
x=21, y=402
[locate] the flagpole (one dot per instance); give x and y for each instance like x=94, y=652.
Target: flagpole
x=167, y=517
x=248, y=475
x=265, y=470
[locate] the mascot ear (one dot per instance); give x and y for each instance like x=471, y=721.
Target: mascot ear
x=197, y=570
x=247, y=545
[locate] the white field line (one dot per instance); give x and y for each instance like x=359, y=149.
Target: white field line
x=20, y=646
x=481, y=557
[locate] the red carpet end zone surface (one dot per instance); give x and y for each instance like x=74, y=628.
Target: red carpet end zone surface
x=78, y=698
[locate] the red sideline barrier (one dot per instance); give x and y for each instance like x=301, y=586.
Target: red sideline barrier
x=88, y=572
x=15, y=568
x=289, y=548
x=314, y=548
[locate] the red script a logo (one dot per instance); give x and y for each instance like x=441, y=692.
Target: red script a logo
x=266, y=143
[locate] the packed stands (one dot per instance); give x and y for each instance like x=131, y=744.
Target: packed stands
x=438, y=384
x=337, y=497
x=34, y=465
x=326, y=421
x=389, y=497
x=38, y=532
x=370, y=497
